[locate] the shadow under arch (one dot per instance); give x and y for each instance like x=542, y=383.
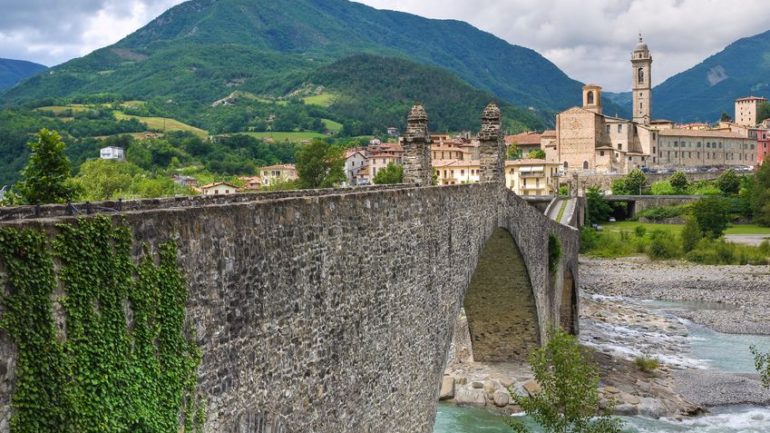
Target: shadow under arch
x=568, y=316
x=500, y=304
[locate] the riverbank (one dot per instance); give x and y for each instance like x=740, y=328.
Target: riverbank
x=734, y=299
x=727, y=299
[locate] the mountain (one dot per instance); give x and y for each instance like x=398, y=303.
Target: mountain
x=202, y=50
x=14, y=71
x=379, y=91
x=703, y=92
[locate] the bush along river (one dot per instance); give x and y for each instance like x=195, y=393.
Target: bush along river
x=697, y=321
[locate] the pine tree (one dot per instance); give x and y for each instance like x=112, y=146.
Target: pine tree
x=45, y=178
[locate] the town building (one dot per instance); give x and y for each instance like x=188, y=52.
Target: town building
x=532, y=177
x=251, y=183
x=525, y=142
x=456, y=172
x=218, y=188
x=763, y=146
x=700, y=148
x=747, y=110
x=357, y=167
x=184, y=181
x=641, y=63
x=112, y=153
x=278, y=174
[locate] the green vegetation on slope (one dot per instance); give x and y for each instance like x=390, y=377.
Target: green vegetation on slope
x=14, y=71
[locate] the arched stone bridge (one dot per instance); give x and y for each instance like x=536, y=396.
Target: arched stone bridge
x=333, y=311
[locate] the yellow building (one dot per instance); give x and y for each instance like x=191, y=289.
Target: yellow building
x=747, y=111
x=456, y=172
x=278, y=173
x=532, y=177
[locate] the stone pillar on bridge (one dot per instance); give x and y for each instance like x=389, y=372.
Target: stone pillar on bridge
x=418, y=169
x=492, y=146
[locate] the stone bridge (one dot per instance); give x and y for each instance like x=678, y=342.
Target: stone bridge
x=333, y=311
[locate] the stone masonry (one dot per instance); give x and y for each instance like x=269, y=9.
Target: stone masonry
x=332, y=312
x=417, y=163
x=492, y=147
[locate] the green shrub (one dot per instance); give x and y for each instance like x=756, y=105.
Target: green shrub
x=647, y=364
x=662, y=246
x=691, y=235
x=554, y=253
x=661, y=213
x=662, y=187
x=640, y=231
x=711, y=216
x=764, y=247
x=589, y=238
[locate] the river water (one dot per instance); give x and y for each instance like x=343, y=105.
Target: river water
x=723, y=352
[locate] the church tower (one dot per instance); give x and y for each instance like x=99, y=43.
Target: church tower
x=641, y=62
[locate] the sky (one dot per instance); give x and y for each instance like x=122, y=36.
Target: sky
x=590, y=40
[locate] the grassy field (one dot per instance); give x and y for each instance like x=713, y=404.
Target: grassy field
x=322, y=100
x=58, y=109
x=163, y=124
x=292, y=137
x=332, y=126
x=747, y=229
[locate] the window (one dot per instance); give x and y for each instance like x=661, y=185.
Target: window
x=620, y=128
x=590, y=98
x=640, y=76
x=585, y=165
x=601, y=153
x=620, y=146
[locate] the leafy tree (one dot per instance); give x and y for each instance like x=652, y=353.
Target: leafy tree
x=599, y=210
x=513, y=151
x=619, y=187
x=103, y=180
x=711, y=216
x=319, y=165
x=679, y=182
x=760, y=195
x=729, y=182
x=762, y=364
x=691, y=235
x=764, y=111
x=45, y=179
x=635, y=181
x=392, y=174
x=569, y=401
x=662, y=187
x=537, y=154
x=725, y=117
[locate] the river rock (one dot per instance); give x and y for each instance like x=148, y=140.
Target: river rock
x=470, y=396
x=626, y=410
x=651, y=407
x=532, y=387
x=490, y=387
x=477, y=385
x=501, y=398
x=447, y=388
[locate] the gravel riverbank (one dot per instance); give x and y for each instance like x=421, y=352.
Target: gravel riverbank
x=730, y=299
x=736, y=299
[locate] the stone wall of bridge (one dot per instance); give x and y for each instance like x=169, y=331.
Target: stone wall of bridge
x=334, y=312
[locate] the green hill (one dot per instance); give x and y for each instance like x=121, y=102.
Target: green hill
x=202, y=50
x=703, y=92
x=14, y=71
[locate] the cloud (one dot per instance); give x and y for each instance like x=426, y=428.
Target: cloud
x=591, y=40
x=51, y=32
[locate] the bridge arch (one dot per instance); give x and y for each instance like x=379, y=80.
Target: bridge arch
x=500, y=304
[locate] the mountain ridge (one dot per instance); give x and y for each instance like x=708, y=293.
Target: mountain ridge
x=14, y=71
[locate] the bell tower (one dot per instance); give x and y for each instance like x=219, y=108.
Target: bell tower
x=641, y=65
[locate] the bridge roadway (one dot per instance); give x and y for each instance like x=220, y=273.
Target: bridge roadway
x=333, y=311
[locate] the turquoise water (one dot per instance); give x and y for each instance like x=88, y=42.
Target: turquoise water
x=724, y=352
x=453, y=419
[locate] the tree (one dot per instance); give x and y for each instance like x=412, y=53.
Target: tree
x=635, y=181
x=599, y=210
x=729, y=182
x=319, y=165
x=619, y=187
x=100, y=179
x=711, y=215
x=392, y=174
x=762, y=364
x=760, y=195
x=679, y=182
x=691, y=235
x=513, y=151
x=725, y=117
x=537, y=154
x=569, y=400
x=46, y=177
x=764, y=111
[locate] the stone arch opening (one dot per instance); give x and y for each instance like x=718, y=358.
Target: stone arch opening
x=591, y=98
x=568, y=317
x=500, y=304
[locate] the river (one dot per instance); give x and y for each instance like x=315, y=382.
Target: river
x=723, y=352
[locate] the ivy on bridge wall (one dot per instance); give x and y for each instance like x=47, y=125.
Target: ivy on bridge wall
x=100, y=339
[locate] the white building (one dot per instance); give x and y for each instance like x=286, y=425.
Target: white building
x=112, y=153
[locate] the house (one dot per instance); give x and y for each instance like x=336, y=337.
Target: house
x=278, y=174
x=185, y=181
x=251, y=183
x=525, y=142
x=357, y=167
x=393, y=131
x=533, y=177
x=456, y=172
x=218, y=188
x=112, y=153
x=763, y=145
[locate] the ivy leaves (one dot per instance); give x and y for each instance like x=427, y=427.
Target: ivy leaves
x=121, y=362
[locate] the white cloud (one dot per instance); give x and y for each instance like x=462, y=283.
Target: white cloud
x=590, y=40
